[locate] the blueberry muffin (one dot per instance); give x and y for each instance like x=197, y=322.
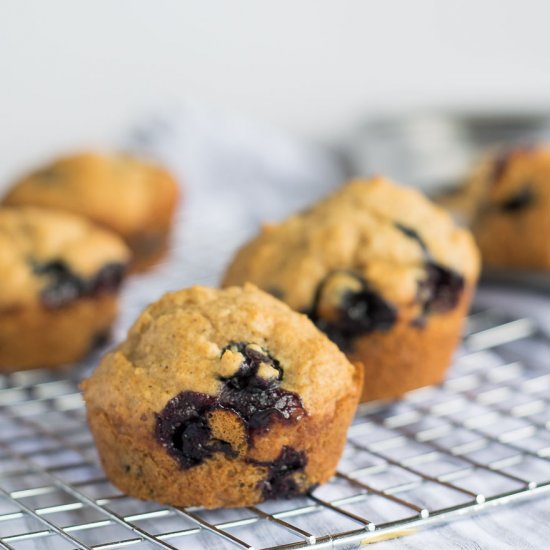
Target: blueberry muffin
x=131, y=197
x=59, y=276
x=511, y=219
x=379, y=268
x=221, y=398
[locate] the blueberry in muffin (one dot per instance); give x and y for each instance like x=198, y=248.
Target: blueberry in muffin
x=381, y=270
x=345, y=307
x=59, y=278
x=133, y=198
x=221, y=398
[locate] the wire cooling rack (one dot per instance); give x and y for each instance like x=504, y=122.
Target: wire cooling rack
x=479, y=439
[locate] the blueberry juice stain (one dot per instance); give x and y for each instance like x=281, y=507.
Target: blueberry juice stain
x=280, y=479
x=63, y=285
x=358, y=312
x=183, y=428
x=440, y=289
x=362, y=310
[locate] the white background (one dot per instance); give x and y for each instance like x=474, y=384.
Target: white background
x=76, y=73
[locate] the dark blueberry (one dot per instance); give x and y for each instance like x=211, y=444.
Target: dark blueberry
x=259, y=407
x=100, y=339
x=524, y=198
x=64, y=286
x=412, y=234
x=279, y=481
x=192, y=438
x=246, y=376
x=441, y=290
x=365, y=311
x=108, y=279
x=183, y=428
x=257, y=400
x=359, y=312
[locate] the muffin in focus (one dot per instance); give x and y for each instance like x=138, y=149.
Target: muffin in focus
x=58, y=286
x=131, y=197
x=381, y=270
x=221, y=398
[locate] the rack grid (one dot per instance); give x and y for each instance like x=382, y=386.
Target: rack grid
x=479, y=439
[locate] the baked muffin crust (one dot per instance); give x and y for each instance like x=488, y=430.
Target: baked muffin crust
x=226, y=379
x=59, y=280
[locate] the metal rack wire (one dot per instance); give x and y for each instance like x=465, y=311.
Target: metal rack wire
x=478, y=440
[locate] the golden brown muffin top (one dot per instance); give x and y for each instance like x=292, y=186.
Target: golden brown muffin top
x=384, y=233
x=52, y=257
x=115, y=190
x=203, y=340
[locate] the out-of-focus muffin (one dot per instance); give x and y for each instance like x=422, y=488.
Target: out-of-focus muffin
x=134, y=198
x=59, y=276
x=378, y=267
x=510, y=218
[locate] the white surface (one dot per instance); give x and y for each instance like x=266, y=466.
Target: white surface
x=78, y=73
